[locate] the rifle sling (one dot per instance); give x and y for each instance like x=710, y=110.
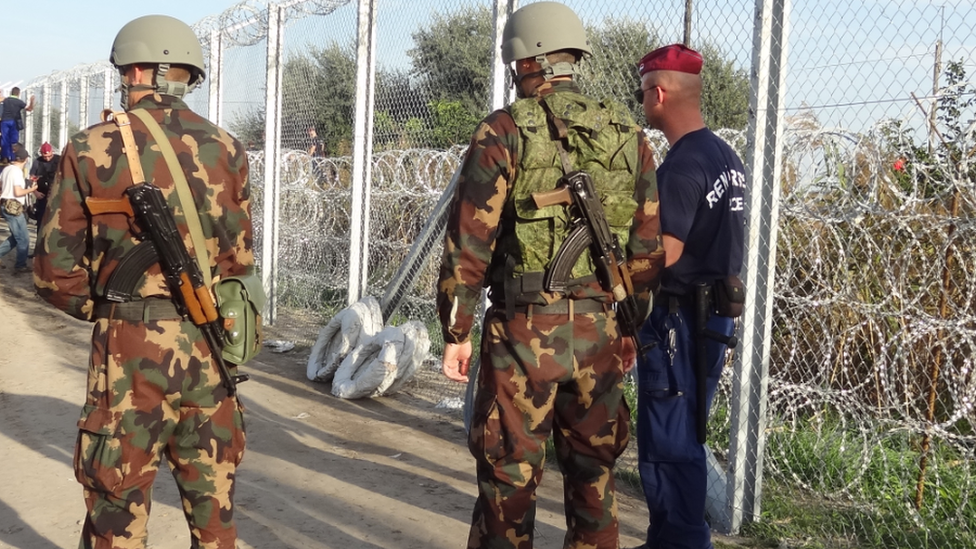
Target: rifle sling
x=560, y=134
x=187, y=204
x=129, y=147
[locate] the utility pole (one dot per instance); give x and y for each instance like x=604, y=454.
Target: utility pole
x=936, y=71
x=688, y=23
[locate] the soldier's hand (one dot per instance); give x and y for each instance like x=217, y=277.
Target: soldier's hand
x=628, y=353
x=457, y=360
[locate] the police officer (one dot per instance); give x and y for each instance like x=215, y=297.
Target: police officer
x=553, y=360
x=701, y=184
x=154, y=390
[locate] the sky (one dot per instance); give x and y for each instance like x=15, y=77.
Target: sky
x=60, y=34
x=852, y=63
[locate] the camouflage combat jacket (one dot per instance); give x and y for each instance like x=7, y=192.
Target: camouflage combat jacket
x=480, y=218
x=77, y=252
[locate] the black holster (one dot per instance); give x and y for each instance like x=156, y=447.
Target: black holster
x=704, y=306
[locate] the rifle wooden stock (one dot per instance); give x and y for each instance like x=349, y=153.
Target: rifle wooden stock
x=205, y=299
x=560, y=195
x=100, y=206
x=199, y=303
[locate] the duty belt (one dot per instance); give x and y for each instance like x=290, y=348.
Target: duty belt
x=664, y=299
x=142, y=310
x=568, y=307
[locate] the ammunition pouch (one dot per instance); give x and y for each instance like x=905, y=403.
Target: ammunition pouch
x=240, y=300
x=511, y=293
x=728, y=296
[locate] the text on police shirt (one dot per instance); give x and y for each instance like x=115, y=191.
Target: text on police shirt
x=728, y=178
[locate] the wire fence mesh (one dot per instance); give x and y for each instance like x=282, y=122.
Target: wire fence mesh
x=866, y=438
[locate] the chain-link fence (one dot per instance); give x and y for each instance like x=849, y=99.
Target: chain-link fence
x=846, y=419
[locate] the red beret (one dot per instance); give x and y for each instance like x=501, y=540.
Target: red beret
x=671, y=58
x=46, y=148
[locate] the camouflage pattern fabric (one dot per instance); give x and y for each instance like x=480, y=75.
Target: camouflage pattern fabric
x=152, y=387
x=153, y=391
x=594, y=134
x=540, y=375
x=479, y=219
x=547, y=373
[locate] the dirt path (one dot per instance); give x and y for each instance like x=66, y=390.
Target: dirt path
x=319, y=472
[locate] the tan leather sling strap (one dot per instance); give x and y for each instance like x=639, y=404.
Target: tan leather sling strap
x=183, y=193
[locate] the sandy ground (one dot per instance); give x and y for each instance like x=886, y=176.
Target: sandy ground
x=319, y=472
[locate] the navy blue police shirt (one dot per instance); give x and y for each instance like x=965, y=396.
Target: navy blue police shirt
x=11, y=108
x=701, y=185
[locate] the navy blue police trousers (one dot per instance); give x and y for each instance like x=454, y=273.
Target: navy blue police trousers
x=671, y=461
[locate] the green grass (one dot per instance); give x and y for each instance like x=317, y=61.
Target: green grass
x=826, y=488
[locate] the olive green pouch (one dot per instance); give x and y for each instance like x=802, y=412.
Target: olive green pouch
x=240, y=300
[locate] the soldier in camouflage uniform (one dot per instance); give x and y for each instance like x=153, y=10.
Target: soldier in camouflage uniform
x=153, y=388
x=552, y=361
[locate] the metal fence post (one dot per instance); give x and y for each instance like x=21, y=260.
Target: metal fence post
x=83, y=102
x=46, y=114
x=272, y=159
x=216, y=110
x=63, y=129
x=362, y=150
x=29, y=126
x=764, y=166
x=107, y=97
x=501, y=11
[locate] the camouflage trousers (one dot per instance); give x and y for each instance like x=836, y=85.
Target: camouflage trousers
x=152, y=392
x=543, y=375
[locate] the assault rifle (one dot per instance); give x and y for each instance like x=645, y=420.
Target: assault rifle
x=183, y=276
x=591, y=231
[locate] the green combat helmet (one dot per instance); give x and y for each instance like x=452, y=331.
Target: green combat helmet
x=163, y=41
x=540, y=28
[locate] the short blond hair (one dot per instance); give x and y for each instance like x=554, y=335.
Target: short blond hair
x=176, y=73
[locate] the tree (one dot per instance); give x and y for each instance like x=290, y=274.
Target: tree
x=725, y=90
x=452, y=58
x=931, y=171
x=248, y=127
x=618, y=45
x=400, y=106
x=325, y=88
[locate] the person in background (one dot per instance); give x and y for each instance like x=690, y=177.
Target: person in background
x=13, y=202
x=552, y=359
x=701, y=185
x=316, y=146
x=11, y=122
x=42, y=172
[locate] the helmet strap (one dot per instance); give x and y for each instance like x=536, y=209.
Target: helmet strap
x=168, y=87
x=552, y=71
x=548, y=72
x=125, y=89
